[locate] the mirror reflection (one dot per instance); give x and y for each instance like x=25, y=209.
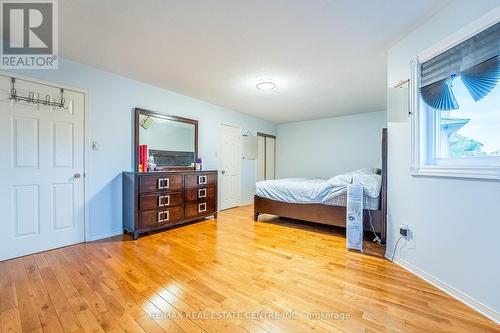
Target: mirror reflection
x=170, y=142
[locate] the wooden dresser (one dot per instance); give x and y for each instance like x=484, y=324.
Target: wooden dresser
x=158, y=200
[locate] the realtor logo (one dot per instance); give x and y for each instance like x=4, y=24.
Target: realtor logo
x=29, y=34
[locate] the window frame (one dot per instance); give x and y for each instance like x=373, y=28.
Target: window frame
x=423, y=150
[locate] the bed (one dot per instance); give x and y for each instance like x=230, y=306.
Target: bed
x=323, y=201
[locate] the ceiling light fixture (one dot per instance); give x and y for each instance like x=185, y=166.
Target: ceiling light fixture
x=266, y=85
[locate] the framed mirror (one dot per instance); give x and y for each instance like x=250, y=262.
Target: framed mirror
x=172, y=141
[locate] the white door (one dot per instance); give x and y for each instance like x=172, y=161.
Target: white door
x=41, y=170
x=229, y=171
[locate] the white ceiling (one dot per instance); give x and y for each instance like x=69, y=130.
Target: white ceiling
x=327, y=57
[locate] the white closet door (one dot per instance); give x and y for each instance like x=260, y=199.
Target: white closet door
x=270, y=157
x=41, y=171
x=230, y=159
x=261, y=159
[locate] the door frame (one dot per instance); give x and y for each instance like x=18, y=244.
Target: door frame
x=239, y=163
x=265, y=135
x=86, y=144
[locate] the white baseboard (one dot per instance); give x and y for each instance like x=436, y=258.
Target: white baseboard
x=105, y=235
x=466, y=299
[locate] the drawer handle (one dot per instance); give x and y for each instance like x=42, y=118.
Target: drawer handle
x=202, y=180
x=163, y=216
x=202, y=193
x=163, y=183
x=163, y=200
x=202, y=207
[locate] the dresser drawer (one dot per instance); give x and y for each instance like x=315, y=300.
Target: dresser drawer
x=200, y=193
x=160, y=183
x=201, y=179
x=154, y=201
x=163, y=216
x=158, y=201
x=194, y=208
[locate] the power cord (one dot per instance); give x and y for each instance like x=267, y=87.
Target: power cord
x=377, y=238
x=395, y=247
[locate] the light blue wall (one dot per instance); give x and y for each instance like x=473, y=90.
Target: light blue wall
x=112, y=99
x=454, y=222
x=328, y=147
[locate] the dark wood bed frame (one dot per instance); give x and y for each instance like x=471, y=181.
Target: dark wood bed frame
x=327, y=214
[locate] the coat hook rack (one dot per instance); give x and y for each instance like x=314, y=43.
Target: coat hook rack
x=31, y=97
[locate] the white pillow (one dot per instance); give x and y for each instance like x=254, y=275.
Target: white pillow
x=366, y=171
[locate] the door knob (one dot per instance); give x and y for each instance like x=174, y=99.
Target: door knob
x=77, y=175
x=223, y=172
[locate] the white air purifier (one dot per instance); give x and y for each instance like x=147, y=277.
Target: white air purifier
x=354, y=217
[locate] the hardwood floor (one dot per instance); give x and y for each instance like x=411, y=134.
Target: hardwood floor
x=232, y=275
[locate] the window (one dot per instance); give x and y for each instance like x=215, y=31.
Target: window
x=456, y=105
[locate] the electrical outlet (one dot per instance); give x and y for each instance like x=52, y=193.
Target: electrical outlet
x=403, y=230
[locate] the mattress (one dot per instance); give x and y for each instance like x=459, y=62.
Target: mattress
x=368, y=202
x=332, y=191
